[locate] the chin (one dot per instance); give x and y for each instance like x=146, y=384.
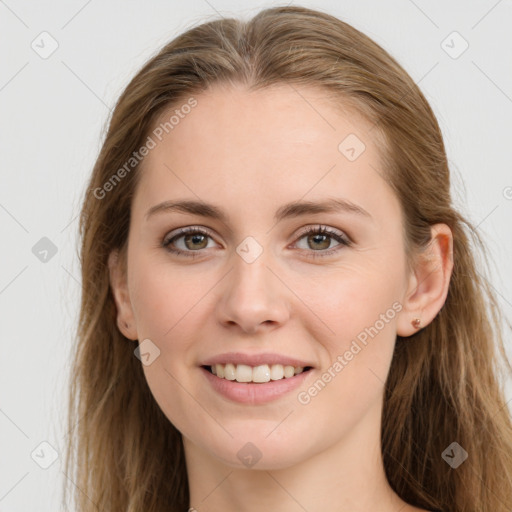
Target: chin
x=260, y=453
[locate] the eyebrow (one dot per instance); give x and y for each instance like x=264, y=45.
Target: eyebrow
x=289, y=210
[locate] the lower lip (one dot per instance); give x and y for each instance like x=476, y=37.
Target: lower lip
x=251, y=393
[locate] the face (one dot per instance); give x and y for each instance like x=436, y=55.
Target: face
x=262, y=283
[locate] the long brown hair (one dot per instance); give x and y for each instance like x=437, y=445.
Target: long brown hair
x=444, y=382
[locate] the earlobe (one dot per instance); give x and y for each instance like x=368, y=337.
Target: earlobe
x=429, y=284
x=118, y=285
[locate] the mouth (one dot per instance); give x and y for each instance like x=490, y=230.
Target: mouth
x=260, y=374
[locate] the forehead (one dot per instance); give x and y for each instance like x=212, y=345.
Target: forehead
x=275, y=145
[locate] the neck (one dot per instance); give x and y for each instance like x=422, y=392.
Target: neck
x=349, y=474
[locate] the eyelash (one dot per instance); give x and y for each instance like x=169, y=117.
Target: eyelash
x=322, y=230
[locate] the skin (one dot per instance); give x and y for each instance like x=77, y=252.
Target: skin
x=249, y=153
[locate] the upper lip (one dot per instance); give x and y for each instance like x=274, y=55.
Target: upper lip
x=255, y=359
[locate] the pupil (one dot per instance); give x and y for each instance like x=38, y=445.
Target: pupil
x=323, y=238
x=196, y=239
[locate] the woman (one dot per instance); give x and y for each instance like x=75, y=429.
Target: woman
x=281, y=309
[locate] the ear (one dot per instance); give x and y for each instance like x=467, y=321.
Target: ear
x=118, y=284
x=429, y=283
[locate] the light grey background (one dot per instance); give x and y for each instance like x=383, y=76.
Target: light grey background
x=53, y=112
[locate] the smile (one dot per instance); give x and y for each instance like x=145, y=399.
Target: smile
x=255, y=374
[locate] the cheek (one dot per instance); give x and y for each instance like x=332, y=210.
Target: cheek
x=361, y=310
x=357, y=307
x=347, y=300
x=168, y=308
x=163, y=300
x=166, y=318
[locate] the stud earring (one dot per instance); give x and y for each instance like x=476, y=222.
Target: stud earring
x=416, y=323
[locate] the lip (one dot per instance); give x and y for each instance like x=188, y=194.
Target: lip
x=251, y=393
x=255, y=359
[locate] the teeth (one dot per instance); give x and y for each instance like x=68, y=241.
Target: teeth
x=276, y=372
x=260, y=374
x=289, y=371
x=229, y=371
x=243, y=373
x=219, y=371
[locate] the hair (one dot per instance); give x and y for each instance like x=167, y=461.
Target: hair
x=444, y=384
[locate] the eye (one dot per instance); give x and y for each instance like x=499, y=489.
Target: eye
x=191, y=240
x=187, y=241
x=318, y=241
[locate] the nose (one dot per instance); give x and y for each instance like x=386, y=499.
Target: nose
x=253, y=298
